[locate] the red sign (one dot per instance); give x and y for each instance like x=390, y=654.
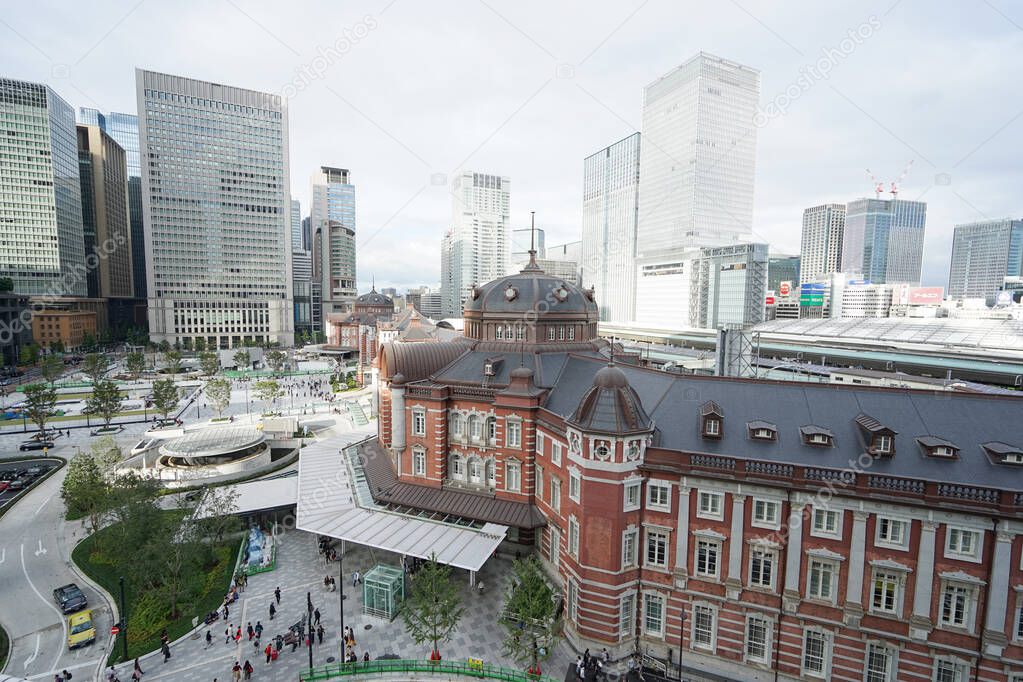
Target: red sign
x=115, y=629
x=926, y=295
x=769, y=300
x=784, y=288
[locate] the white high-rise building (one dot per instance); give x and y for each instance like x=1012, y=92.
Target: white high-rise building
x=610, y=205
x=477, y=247
x=296, y=225
x=698, y=157
x=332, y=213
x=217, y=209
x=821, y=248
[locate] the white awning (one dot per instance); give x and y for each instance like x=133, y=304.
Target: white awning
x=253, y=496
x=329, y=504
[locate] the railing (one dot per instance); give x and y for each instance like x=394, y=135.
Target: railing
x=712, y=462
x=402, y=666
x=969, y=493
x=897, y=485
x=769, y=469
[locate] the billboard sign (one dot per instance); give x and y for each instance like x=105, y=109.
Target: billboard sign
x=926, y=295
x=812, y=294
x=769, y=300
x=785, y=288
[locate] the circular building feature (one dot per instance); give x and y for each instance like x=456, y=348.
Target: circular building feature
x=216, y=451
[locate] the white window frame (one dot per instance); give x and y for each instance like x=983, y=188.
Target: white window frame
x=960, y=669
x=656, y=536
x=418, y=422
x=555, y=494
x=573, y=537
x=1017, y=622
x=649, y=598
x=708, y=511
x=767, y=625
x=630, y=548
x=763, y=516
x=885, y=525
x=953, y=543
x=513, y=433
x=457, y=425
x=824, y=512
x=825, y=671
x=658, y=496
x=418, y=462
x=573, y=600
x=631, y=489
x=539, y=442
x=832, y=582
x=554, y=549
x=969, y=591
x=709, y=547
x=887, y=580
x=627, y=615
x=707, y=610
x=891, y=667
x=513, y=477
x=556, y=453
x=575, y=486
x=538, y=479
x=771, y=555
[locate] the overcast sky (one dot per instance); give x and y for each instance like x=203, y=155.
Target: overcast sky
x=405, y=93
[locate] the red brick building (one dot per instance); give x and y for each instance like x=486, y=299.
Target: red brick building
x=768, y=530
x=358, y=330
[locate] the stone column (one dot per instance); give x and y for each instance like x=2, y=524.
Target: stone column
x=733, y=583
x=854, y=584
x=397, y=417
x=793, y=558
x=998, y=596
x=920, y=624
x=682, y=537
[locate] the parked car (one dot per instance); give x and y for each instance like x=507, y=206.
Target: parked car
x=35, y=471
x=36, y=445
x=69, y=598
x=17, y=484
x=80, y=629
x=4, y=485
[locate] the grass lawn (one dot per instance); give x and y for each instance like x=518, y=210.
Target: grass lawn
x=147, y=616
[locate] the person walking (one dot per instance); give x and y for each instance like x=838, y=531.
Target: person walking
x=356, y=579
x=259, y=630
x=236, y=672
x=209, y=639
x=227, y=632
x=268, y=650
x=138, y=668
x=277, y=595
x=316, y=616
x=250, y=631
x=247, y=670
x=319, y=633
x=272, y=610
x=166, y=652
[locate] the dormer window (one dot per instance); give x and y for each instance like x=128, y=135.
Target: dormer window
x=939, y=447
x=761, y=430
x=1004, y=453
x=880, y=438
x=711, y=417
x=817, y=436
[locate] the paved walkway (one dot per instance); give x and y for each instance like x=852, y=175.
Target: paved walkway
x=299, y=570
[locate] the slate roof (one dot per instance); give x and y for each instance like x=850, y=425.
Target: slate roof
x=530, y=286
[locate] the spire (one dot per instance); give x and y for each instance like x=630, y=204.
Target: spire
x=532, y=266
x=373, y=279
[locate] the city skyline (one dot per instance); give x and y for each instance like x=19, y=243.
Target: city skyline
x=510, y=127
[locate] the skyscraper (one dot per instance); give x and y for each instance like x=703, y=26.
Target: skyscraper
x=44, y=243
x=216, y=205
x=983, y=255
x=477, y=247
x=820, y=250
x=124, y=128
x=296, y=225
x=610, y=205
x=883, y=240
x=332, y=212
x=698, y=157
x=105, y=217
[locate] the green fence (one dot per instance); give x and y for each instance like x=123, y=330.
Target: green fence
x=386, y=667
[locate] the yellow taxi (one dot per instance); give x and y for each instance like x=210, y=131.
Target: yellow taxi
x=80, y=629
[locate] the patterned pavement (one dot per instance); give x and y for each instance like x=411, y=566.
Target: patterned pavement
x=300, y=569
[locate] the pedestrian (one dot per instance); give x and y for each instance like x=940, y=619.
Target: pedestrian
x=319, y=633
x=268, y=650
x=238, y=635
x=236, y=672
x=316, y=616
x=227, y=632
x=247, y=669
x=65, y=675
x=138, y=668
x=164, y=639
x=356, y=578
x=166, y=653
x=227, y=611
x=272, y=610
x=135, y=677
x=365, y=657
x=250, y=631
x=259, y=629
x=277, y=595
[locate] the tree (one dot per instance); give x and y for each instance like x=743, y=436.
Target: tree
x=107, y=453
x=275, y=359
x=187, y=344
x=268, y=391
x=136, y=364
x=56, y=346
x=530, y=615
x=218, y=392
x=88, y=343
x=242, y=359
x=6, y=284
x=85, y=491
x=39, y=402
x=29, y=354
x=434, y=606
x=219, y=505
x=95, y=366
x=105, y=401
x=165, y=396
x=200, y=344
x=163, y=346
x=52, y=368
x=209, y=362
x=172, y=358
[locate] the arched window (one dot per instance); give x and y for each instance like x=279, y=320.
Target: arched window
x=491, y=431
x=418, y=461
x=475, y=428
x=475, y=471
x=457, y=471
x=456, y=425
x=491, y=472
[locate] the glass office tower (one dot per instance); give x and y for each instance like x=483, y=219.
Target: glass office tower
x=883, y=240
x=983, y=255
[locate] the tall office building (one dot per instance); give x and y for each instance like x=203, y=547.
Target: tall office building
x=698, y=157
x=477, y=247
x=296, y=225
x=983, y=255
x=307, y=235
x=124, y=128
x=883, y=240
x=216, y=204
x=782, y=269
x=820, y=250
x=332, y=212
x=40, y=191
x=105, y=219
x=610, y=211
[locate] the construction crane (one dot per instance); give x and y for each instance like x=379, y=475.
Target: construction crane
x=893, y=187
x=878, y=185
x=898, y=181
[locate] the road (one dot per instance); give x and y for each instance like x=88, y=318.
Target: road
x=15, y=470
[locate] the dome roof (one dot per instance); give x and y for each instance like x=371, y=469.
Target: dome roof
x=530, y=291
x=611, y=405
x=374, y=298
